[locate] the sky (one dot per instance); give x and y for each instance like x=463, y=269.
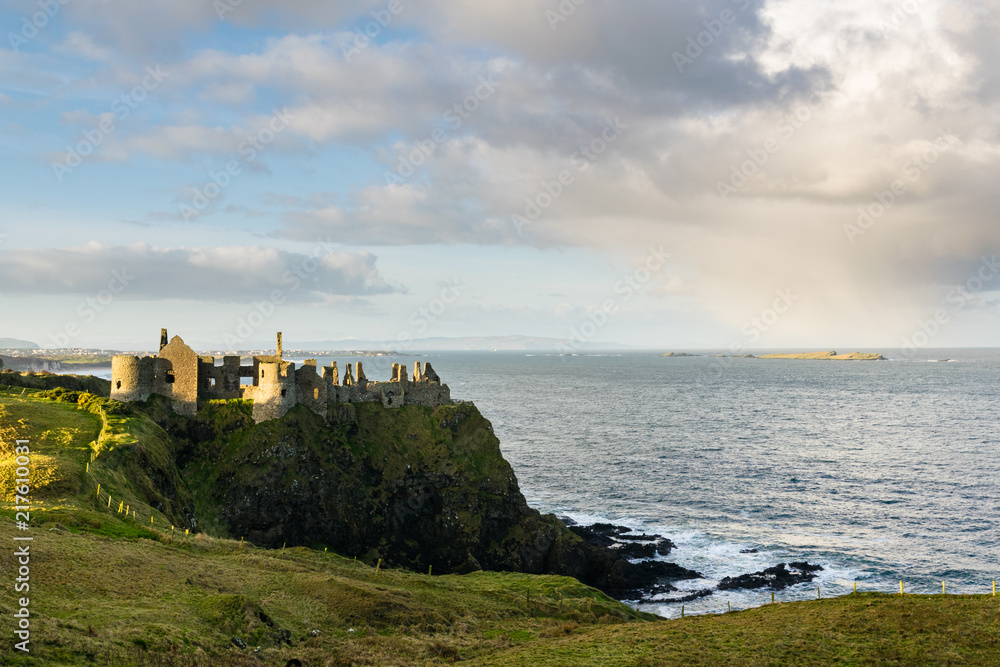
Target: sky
x=732, y=174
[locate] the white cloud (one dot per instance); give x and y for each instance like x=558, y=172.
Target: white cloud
x=240, y=274
x=80, y=44
x=887, y=94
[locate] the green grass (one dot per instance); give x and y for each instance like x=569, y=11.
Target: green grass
x=14, y=380
x=859, y=629
x=109, y=590
x=79, y=441
x=93, y=596
x=60, y=435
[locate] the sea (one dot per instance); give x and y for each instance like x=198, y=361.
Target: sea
x=883, y=472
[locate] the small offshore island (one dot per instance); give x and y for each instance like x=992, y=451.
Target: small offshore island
x=831, y=354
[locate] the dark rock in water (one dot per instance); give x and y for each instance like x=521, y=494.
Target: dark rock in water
x=775, y=578
x=567, y=521
x=608, y=529
x=607, y=536
x=634, y=581
x=593, y=537
x=748, y=551
x=658, y=589
x=636, y=551
x=704, y=592
x=803, y=566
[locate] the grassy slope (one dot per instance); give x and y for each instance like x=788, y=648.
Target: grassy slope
x=19, y=380
x=128, y=453
x=859, y=629
x=192, y=595
x=111, y=586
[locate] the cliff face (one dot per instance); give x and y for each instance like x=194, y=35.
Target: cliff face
x=415, y=486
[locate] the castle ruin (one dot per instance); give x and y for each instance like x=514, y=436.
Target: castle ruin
x=183, y=376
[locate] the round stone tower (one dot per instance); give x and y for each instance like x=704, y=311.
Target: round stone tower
x=131, y=378
x=275, y=392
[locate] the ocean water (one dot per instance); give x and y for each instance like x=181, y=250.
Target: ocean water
x=879, y=471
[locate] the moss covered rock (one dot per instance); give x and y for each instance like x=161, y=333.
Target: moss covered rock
x=415, y=486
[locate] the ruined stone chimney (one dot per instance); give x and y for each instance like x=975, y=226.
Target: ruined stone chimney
x=402, y=373
x=163, y=338
x=395, y=373
x=330, y=373
x=416, y=371
x=348, y=379
x=360, y=379
x=279, y=345
x=429, y=375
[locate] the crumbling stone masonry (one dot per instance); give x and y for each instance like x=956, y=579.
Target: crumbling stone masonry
x=178, y=373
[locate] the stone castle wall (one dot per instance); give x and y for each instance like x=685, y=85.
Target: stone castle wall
x=181, y=375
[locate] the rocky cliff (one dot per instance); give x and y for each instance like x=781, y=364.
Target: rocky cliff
x=415, y=486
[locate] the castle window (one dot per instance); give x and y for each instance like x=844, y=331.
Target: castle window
x=284, y=391
x=170, y=377
x=262, y=372
x=118, y=385
x=211, y=383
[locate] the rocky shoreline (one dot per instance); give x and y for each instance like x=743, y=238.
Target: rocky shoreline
x=644, y=578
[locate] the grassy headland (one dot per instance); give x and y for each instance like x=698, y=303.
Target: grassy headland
x=111, y=590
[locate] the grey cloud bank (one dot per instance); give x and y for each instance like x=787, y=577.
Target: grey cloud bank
x=226, y=274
